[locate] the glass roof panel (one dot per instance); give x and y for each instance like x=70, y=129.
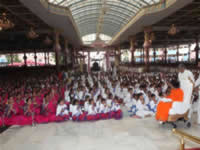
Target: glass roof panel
x=102, y=16
x=92, y=37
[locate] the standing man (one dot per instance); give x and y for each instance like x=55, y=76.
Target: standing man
x=197, y=85
x=187, y=83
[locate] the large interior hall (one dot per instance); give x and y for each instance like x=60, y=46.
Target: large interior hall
x=100, y=74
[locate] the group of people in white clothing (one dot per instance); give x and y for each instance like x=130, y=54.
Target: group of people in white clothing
x=98, y=96
x=138, y=92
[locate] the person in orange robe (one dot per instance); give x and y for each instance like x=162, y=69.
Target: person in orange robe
x=163, y=108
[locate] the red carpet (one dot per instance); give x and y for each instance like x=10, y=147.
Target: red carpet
x=193, y=149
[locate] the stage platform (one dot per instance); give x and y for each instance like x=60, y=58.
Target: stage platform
x=125, y=134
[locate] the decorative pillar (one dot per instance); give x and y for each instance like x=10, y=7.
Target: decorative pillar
x=76, y=56
x=66, y=52
x=81, y=64
x=48, y=58
x=177, y=54
x=197, y=50
x=165, y=55
x=107, y=61
x=57, y=49
x=45, y=58
x=143, y=56
x=119, y=54
x=35, y=57
x=84, y=58
x=189, y=51
x=72, y=57
x=154, y=55
x=25, y=58
x=116, y=57
x=148, y=38
x=11, y=56
x=88, y=61
x=132, y=48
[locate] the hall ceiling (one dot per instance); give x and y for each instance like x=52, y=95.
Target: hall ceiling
x=116, y=13
x=187, y=21
x=15, y=39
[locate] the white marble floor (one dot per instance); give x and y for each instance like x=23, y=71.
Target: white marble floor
x=125, y=134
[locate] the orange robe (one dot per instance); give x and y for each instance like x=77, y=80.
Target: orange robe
x=163, y=107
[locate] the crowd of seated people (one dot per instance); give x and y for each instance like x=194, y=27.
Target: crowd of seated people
x=43, y=97
x=150, y=89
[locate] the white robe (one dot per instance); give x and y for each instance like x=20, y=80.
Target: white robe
x=198, y=110
x=80, y=95
x=62, y=110
x=91, y=110
x=67, y=97
x=86, y=106
x=124, y=92
x=71, y=108
x=142, y=110
x=128, y=100
x=187, y=87
x=115, y=107
x=102, y=108
x=98, y=103
x=76, y=111
x=197, y=84
x=109, y=102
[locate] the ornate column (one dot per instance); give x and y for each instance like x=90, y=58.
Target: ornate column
x=35, y=57
x=81, y=64
x=197, y=50
x=143, y=56
x=72, y=57
x=148, y=38
x=177, y=54
x=107, y=60
x=25, y=58
x=119, y=54
x=132, y=48
x=165, y=55
x=57, y=48
x=66, y=52
x=189, y=50
x=11, y=56
x=154, y=55
x=84, y=58
x=116, y=57
x=88, y=61
x=45, y=58
x=76, y=56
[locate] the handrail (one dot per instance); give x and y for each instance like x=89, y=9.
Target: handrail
x=186, y=136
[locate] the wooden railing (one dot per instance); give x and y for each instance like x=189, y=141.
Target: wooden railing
x=185, y=136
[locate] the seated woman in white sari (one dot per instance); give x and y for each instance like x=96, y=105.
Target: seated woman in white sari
x=142, y=110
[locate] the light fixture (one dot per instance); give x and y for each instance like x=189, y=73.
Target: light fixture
x=32, y=34
x=149, y=36
x=5, y=23
x=47, y=41
x=173, y=30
